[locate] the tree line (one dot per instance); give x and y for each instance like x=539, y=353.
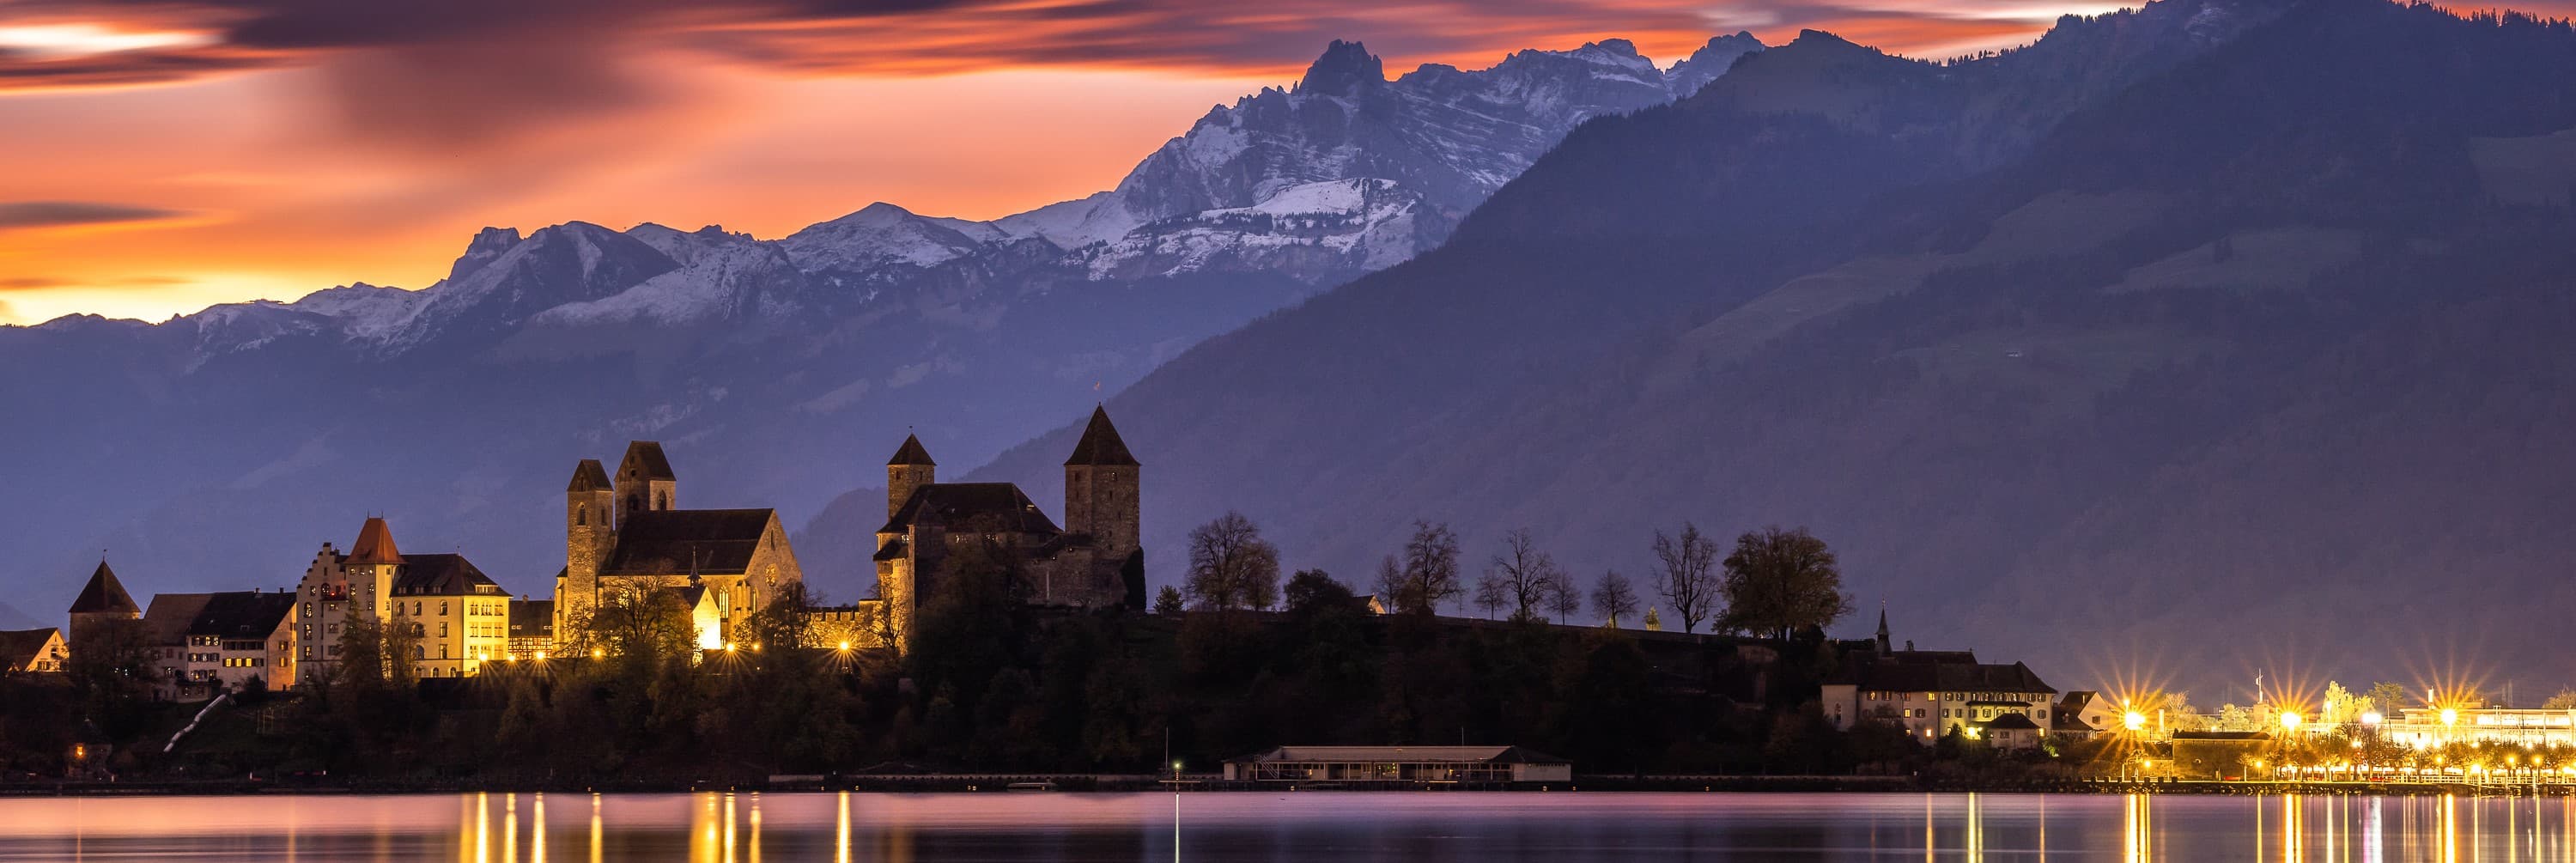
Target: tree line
x=1772, y=583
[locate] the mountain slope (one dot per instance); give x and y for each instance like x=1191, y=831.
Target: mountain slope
x=2211, y=330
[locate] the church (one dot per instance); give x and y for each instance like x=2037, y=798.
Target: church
x=628, y=533
x=1093, y=561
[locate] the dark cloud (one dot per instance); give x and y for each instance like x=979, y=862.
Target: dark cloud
x=54, y=214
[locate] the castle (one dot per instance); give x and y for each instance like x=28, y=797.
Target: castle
x=629, y=535
x=625, y=535
x=1093, y=561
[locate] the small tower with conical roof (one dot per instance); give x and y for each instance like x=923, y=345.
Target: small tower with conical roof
x=644, y=481
x=102, y=603
x=1102, y=491
x=910, y=469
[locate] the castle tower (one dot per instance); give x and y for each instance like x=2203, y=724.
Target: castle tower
x=1882, y=630
x=590, y=532
x=644, y=481
x=911, y=468
x=371, y=567
x=1101, y=490
x=101, y=603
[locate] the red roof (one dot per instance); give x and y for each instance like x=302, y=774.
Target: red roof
x=375, y=544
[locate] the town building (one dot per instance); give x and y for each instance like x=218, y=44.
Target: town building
x=340, y=593
x=2432, y=727
x=1399, y=765
x=532, y=628
x=459, y=618
x=1094, y=561
x=626, y=537
x=204, y=643
x=32, y=651
x=1931, y=693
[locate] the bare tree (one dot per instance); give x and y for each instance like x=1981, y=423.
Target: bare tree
x=1231, y=566
x=1427, y=574
x=1686, y=575
x=1564, y=599
x=1521, y=576
x=1490, y=596
x=1781, y=581
x=1613, y=598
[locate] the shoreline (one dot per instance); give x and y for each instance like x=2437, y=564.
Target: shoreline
x=1116, y=784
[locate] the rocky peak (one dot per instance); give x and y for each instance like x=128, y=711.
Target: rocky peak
x=1344, y=68
x=1710, y=61
x=487, y=246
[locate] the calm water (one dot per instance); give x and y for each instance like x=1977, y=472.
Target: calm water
x=484, y=828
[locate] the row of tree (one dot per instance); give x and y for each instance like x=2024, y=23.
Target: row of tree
x=1773, y=583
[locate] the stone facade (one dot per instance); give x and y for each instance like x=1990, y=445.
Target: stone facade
x=739, y=558
x=1088, y=563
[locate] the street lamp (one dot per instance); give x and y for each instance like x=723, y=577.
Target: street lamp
x=2289, y=720
x=2134, y=720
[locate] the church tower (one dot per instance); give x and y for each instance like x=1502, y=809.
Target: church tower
x=1101, y=495
x=911, y=468
x=590, y=532
x=100, y=605
x=644, y=481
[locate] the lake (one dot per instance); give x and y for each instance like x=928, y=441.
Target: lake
x=1408, y=827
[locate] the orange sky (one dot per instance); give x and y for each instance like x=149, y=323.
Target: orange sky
x=173, y=154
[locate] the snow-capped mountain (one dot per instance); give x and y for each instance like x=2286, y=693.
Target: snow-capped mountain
x=773, y=367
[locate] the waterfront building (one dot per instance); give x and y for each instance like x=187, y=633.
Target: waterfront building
x=1931, y=693
x=1399, y=765
x=203, y=643
x=2431, y=727
x=32, y=651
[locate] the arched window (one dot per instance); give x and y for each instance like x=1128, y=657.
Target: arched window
x=442, y=608
x=666, y=501
x=581, y=517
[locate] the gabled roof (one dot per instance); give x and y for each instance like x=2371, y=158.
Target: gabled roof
x=532, y=617
x=242, y=614
x=644, y=459
x=911, y=453
x=19, y=647
x=953, y=505
x=440, y=575
x=1946, y=674
x=1100, y=444
x=588, y=476
x=104, y=594
x=682, y=541
x=171, y=615
x=375, y=544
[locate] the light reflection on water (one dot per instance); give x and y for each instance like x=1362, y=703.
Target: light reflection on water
x=750, y=828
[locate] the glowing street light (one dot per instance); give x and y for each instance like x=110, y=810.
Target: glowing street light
x=845, y=646
x=2289, y=720
x=2134, y=720
x=2450, y=717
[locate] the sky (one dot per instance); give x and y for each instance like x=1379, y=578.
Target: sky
x=165, y=155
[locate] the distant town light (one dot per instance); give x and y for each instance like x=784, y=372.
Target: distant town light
x=2450, y=716
x=845, y=645
x=541, y=656
x=2290, y=720
x=2371, y=718
x=2135, y=720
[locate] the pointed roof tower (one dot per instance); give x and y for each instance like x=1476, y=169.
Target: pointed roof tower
x=375, y=544
x=589, y=476
x=911, y=453
x=646, y=456
x=1882, y=629
x=104, y=594
x=1100, y=444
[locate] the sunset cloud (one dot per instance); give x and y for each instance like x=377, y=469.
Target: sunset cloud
x=58, y=214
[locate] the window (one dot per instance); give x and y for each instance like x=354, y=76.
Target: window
x=442, y=629
x=442, y=608
x=581, y=516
